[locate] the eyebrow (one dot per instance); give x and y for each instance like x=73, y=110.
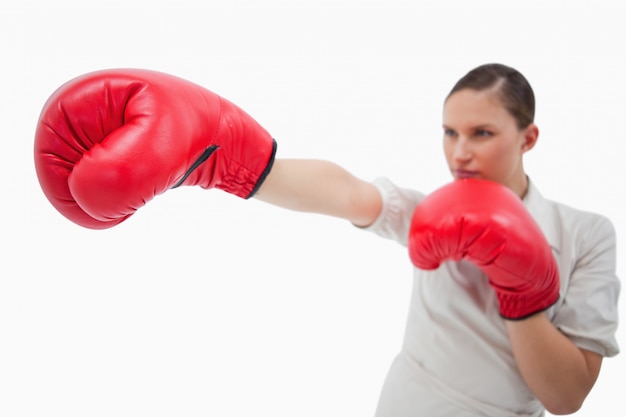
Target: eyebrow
x=482, y=126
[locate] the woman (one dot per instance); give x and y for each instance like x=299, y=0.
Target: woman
x=455, y=361
x=110, y=141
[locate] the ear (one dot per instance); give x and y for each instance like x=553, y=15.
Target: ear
x=529, y=137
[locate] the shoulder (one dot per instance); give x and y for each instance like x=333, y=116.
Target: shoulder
x=565, y=225
x=585, y=229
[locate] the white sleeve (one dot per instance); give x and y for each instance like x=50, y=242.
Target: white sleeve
x=394, y=220
x=589, y=312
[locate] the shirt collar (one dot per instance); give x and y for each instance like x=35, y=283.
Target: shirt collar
x=544, y=213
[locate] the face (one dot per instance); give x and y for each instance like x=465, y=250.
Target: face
x=482, y=140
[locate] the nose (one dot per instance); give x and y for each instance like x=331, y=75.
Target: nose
x=462, y=150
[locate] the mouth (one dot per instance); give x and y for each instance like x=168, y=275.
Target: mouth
x=462, y=173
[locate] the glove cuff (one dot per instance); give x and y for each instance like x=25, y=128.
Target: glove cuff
x=515, y=306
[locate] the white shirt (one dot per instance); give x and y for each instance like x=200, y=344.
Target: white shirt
x=456, y=358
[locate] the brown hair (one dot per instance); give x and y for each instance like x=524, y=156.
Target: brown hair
x=510, y=85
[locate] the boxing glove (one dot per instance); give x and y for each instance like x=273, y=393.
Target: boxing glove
x=487, y=224
x=108, y=142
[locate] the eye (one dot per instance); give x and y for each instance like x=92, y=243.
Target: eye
x=483, y=133
x=449, y=132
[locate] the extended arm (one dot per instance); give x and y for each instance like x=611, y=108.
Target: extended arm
x=320, y=187
x=159, y=132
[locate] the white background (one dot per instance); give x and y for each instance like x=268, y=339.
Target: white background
x=204, y=304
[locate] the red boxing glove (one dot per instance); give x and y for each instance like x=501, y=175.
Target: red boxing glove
x=109, y=141
x=486, y=223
